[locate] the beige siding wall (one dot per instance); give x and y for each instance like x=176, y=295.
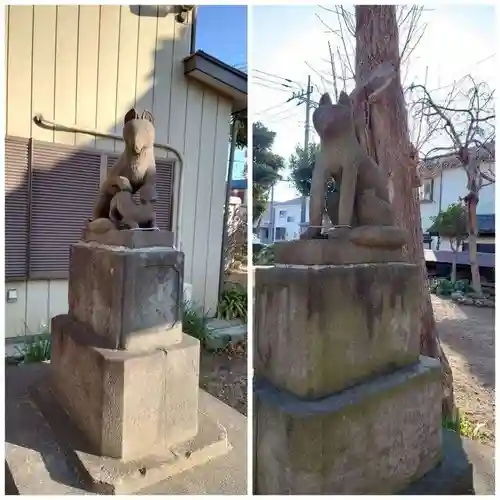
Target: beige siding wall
x=86, y=66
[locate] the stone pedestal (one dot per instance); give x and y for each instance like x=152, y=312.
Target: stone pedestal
x=121, y=367
x=344, y=403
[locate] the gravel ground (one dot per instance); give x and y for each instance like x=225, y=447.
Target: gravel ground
x=467, y=334
x=224, y=375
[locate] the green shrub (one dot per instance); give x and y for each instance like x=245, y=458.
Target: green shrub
x=463, y=286
x=194, y=322
x=35, y=350
x=233, y=304
x=264, y=256
x=444, y=287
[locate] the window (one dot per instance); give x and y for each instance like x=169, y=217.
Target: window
x=426, y=190
x=481, y=247
x=50, y=192
x=427, y=240
x=280, y=233
x=290, y=219
x=282, y=213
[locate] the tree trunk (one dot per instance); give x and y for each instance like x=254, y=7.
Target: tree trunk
x=454, y=267
x=383, y=129
x=472, y=241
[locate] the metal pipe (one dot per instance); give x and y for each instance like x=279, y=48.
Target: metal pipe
x=234, y=128
x=47, y=124
x=194, y=19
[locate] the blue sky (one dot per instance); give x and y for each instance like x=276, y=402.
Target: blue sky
x=222, y=32
x=459, y=39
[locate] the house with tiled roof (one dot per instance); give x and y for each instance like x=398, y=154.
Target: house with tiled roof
x=444, y=181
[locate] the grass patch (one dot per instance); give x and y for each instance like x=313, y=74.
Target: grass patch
x=465, y=427
x=233, y=304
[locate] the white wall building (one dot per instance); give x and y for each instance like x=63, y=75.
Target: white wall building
x=284, y=217
x=445, y=188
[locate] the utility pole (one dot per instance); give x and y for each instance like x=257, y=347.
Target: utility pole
x=305, y=97
x=306, y=146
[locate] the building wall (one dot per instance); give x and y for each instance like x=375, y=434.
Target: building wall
x=292, y=228
x=449, y=187
x=86, y=66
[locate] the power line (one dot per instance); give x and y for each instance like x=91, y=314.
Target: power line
x=271, y=107
x=275, y=76
x=267, y=80
x=269, y=87
x=281, y=118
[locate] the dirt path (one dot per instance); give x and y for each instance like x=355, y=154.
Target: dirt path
x=468, y=337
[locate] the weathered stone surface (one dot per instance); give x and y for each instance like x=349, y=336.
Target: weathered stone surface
x=320, y=329
x=375, y=438
x=125, y=402
x=131, y=239
x=327, y=252
x=131, y=297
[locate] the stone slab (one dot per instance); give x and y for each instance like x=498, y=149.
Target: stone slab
x=222, y=332
x=131, y=297
x=37, y=464
x=331, y=252
x=453, y=476
x=320, y=329
x=131, y=238
x=375, y=438
x=125, y=402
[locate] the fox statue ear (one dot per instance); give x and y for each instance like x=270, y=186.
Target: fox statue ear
x=146, y=115
x=130, y=115
x=325, y=100
x=344, y=99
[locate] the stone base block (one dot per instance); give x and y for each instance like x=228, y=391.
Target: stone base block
x=320, y=329
x=131, y=297
x=106, y=475
x=44, y=452
x=375, y=438
x=331, y=252
x=125, y=403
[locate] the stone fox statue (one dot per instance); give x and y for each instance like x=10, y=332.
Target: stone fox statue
x=136, y=164
x=362, y=200
x=124, y=212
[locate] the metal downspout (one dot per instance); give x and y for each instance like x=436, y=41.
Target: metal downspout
x=194, y=17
